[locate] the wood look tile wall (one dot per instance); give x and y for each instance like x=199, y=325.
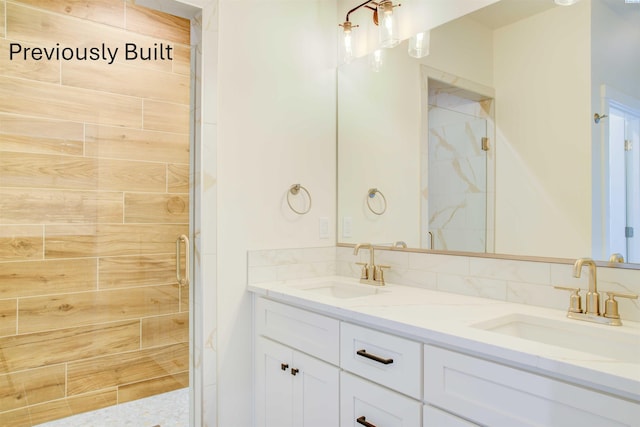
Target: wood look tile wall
x=94, y=191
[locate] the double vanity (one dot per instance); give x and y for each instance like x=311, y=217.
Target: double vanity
x=330, y=351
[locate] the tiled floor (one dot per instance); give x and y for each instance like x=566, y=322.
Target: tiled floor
x=164, y=410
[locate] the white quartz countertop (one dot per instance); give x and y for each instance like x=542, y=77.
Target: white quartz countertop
x=448, y=320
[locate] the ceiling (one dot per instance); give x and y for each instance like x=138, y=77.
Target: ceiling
x=506, y=12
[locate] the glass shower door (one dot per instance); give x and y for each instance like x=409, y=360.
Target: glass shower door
x=94, y=193
x=457, y=169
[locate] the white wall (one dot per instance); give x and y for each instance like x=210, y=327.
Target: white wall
x=543, y=134
x=276, y=127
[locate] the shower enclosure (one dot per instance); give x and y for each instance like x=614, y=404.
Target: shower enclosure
x=457, y=165
x=94, y=196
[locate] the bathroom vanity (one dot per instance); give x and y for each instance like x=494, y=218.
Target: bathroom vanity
x=332, y=352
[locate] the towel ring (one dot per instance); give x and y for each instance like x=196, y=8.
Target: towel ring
x=370, y=195
x=295, y=190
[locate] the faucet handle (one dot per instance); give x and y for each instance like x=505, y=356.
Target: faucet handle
x=575, y=300
x=363, y=273
x=380, y=273
x=611, y=305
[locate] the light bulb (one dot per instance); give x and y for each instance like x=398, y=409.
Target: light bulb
x=419, y=44
x=388, y=25
x=347, y=46
x=566, y=2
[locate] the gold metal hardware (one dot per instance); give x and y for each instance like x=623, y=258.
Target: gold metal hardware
x=616, y=257
x=485, y=143
x=380, y=273
x=611, y=305
x=611, y=315
x=385, y=6
x=575, y=300
x=628, y=145
x=593, y=297
x=371, y=273
x=182, y=281
x=363, y=271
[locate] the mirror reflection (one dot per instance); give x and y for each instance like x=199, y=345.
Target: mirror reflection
x=491, y=142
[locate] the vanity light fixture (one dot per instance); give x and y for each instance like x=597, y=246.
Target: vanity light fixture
x=388, y=26
x=419, y=44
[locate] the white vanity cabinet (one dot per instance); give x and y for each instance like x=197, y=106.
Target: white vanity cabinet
x=315, y=370
x=292, y=387
x=489, y=393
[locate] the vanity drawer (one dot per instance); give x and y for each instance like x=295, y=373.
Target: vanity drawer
x=308, y=332
x=434, y=417
x=490, y=393
x=383, y=358
x=363, y=403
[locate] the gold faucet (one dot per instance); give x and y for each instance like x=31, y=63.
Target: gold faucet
x=592, y=312
x=593, y=297
x=371, y=273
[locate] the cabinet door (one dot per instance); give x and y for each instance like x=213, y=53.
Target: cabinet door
x=316, y=388
x=274, y=384
x=501, y=396
x=363, y=403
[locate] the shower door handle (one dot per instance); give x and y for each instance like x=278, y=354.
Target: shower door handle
x=182, y=280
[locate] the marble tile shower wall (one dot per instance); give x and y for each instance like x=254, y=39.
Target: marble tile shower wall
x=94, y=183
x=455, y=172
x=524, y=282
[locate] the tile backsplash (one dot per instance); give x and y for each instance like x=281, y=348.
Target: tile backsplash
x=524, y=282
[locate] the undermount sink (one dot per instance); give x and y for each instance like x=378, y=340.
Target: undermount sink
x=340, y=290
x=606, y=341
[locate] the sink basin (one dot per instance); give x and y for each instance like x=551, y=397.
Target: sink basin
x=340, y=290
x=610, y=342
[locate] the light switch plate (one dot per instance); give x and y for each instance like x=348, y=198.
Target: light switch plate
x=346, y=226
